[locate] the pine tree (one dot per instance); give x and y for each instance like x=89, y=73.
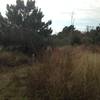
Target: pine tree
x=28, y=32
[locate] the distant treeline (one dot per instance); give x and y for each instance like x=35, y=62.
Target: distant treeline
x=70, y=36
x=24, y=30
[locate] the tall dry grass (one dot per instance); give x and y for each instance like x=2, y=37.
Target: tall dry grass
x=68, y=73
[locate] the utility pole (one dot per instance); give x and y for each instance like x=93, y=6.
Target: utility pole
x=72, y=18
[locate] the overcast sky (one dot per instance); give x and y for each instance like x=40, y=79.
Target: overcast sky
x=86, y=12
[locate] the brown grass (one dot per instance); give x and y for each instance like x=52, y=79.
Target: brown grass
x=68, y=73
x=11, y=59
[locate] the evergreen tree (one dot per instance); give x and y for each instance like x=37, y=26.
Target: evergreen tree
x=27, y=30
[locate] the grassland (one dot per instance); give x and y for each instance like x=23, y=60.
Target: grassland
x=67, y=73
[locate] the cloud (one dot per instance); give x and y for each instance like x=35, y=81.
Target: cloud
x=59, y=11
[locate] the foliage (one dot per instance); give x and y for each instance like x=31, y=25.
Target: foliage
x=24, y=29
x=93, y=37
x=68, y=36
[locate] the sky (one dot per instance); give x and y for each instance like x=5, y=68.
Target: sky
x=85, y=12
